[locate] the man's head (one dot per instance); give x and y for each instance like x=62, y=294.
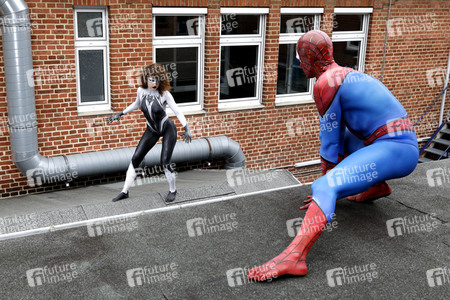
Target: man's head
x=315, y=51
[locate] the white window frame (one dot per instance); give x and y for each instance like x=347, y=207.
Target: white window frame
x=93, y=43
x=245, y=40
x=360, y=35
x=184, y=42
x=292, y=38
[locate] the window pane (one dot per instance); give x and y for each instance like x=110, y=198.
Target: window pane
x=89, y=24
x=348, y=22
x=240, y=24
x=181, y=65
x=296, y=23
x=92, y=85
x=238, y=72
x=347, y=53
x=291, y=78
x=177, y=25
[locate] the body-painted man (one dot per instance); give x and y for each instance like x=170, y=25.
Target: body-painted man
x=371, y=140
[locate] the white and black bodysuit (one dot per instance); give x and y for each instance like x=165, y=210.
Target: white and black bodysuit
x=153, y=105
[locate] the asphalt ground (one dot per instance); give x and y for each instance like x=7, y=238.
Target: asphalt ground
x=395, y=248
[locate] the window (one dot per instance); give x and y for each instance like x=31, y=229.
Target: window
x=178, y=45
x=92, y=60
x=241, y=57
x=350, y=36
x=292, y=85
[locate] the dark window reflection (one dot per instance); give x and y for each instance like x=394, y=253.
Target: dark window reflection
x=181, y=65
x=291, y=78
x=346, y=54
x=177, y=25
x=89, y=24
x=238, y=72
x=348, y=23
x=91, y=75
x=296, y=23
x=240, y=24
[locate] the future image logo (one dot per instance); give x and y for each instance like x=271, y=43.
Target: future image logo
x=95, y=27
x=40, y=176
x=241, y=76
x=238, y=177
x=349, y=275
x=411, y=224
x=438, y=276
x=358, y=173
x=152, y=274
x=111, y=226
x=217, y=223
x=300, y=25
x=17, y=223
x=193, y=26
x=395, y=27
x=51, y=275
x=293, y=225
x=415, y=24
x=438, y=177
x=436, y=77
x=397, y=127
x=238, y=277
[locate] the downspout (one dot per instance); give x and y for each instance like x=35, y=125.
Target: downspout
x=385, y=41
x=22, y=120
x=447, y=73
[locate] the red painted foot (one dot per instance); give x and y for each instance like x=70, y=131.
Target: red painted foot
x=293, y=259
x=379, y=190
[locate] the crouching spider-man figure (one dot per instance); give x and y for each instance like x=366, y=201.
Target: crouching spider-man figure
x=366, y=139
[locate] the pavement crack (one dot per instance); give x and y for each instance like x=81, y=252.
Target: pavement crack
x=418, y=210
x=84, y=212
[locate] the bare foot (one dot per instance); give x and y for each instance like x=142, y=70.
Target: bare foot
x=293, y=259
x=379, y=190
x=284, y=263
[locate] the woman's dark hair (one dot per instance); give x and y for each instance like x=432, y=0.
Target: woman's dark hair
x=157, y=72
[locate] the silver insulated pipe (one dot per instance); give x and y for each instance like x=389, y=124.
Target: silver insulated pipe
x=22, y=120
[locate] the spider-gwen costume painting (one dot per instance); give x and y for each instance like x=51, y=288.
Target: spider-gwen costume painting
x=366, y=138
x=152, y=98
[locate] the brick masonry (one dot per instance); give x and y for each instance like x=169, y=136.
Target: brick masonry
x=272, y=137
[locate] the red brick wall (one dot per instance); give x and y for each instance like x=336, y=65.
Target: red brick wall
x=270, y=137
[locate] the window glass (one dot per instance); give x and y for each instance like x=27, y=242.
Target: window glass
x=238, y=71
x=89, y=24
x=240, y=24
x=291, y=78
x=177, y=25
x=181, y=65
x=91, y=66
x=348, y=22
x=296, y=23
x=347, y=53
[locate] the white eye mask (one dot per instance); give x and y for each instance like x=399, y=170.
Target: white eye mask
x=152, y=80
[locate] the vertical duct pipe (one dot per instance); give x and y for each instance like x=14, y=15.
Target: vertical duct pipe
x=22, y=120
x=447, y=73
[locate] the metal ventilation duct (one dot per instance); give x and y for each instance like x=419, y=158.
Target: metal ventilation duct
x=17, y=54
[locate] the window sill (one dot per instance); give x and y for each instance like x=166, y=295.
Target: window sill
x=95, y=113
x=244, y=107
x=187, y=112
x=307, y=163
x=295, y=99
x=288, y=103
